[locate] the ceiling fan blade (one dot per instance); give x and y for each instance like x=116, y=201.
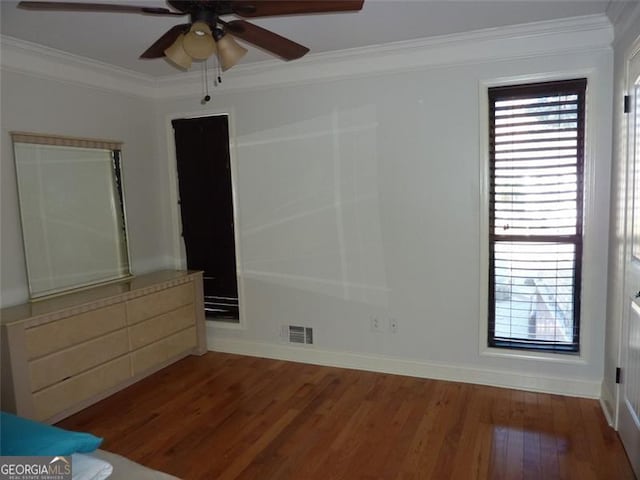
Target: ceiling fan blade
x=266, y=39
x=265, y=8
x=165, y=41
x=94, y=7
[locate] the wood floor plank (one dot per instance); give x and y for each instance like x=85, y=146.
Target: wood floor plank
x=567, y=463
x=455, y=415
x=424, y=453
x=415, y=394
x=475, y=448
x=500, y=422
x=515, y=436
x=532, y=457
x=388, y=416
x=223, y=416
x=543, y=421
x=335, y=415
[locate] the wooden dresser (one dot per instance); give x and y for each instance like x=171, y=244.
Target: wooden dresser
x=62, y=354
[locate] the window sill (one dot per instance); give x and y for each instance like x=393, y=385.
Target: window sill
x=222, y=325
x=567, y=358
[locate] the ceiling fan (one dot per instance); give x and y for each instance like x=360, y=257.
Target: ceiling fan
x=206, y=33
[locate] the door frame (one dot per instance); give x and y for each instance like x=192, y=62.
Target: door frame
x=632, y=170
x=179, y=254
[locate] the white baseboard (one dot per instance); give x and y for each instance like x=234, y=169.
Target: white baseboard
x=400, y=366
x=607, y=413
x=608, y=403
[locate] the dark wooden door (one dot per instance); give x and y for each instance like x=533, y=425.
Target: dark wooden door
x=206, y=206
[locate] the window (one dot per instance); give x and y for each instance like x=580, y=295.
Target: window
x=536, y=148
x=206, y=207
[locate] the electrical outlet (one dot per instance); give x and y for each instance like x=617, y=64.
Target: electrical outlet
x=376, y=325
x=393, y=325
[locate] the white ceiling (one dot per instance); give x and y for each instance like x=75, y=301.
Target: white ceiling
x=118, y=39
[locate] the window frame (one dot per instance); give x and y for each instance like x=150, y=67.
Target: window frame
x=517, y=90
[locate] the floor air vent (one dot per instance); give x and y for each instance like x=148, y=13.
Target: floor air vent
x=300, y=334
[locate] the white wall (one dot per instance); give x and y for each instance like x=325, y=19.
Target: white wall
x=359, y=191
x=360, y=197
x=42, y=105
x=627, y=32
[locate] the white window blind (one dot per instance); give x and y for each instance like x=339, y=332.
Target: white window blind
x=535, y=214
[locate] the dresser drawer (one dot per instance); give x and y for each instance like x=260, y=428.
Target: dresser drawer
x=155, y=304
x=55, y=367
x=162, y=326
x=57, y=335
x=69, y=393
x=167, y=348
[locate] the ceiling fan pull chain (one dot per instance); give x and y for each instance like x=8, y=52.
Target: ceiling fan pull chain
x=205, y=81
x=218, y=74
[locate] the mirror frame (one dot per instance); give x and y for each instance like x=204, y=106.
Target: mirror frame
x=116, y=228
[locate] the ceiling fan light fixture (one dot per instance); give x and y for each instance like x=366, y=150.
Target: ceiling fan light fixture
x=177, y=54
x=229, y=52
x=200, y=29
x=199, y=43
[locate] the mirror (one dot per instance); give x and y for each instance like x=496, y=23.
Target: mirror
x=72, y=212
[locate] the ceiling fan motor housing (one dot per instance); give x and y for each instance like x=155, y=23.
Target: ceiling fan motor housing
x=220, y=7
x=207, y=16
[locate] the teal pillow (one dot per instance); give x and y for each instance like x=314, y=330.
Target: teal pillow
x=22, y=437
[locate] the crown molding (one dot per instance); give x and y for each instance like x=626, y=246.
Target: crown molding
x=578, y=34
x=44, y=62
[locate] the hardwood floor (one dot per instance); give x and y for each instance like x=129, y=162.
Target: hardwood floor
x=225, y=417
